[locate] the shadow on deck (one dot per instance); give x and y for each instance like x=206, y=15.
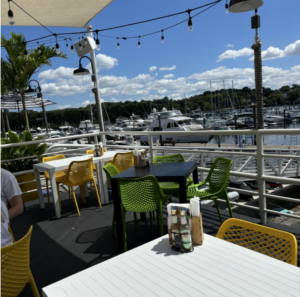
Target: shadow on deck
x=62, y=247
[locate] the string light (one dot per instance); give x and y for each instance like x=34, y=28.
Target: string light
x=19, y=55
x=97, y=41
x=56, y=45
x=80, y=46
x=10, y=14
x=118, y=44
x=72, y=47
x=25, y=57
x=190, y=23
x=85, y=41
x=226, y=7
x=162, y=36
x=67, y=46
x=39, y=50
x=139, y=43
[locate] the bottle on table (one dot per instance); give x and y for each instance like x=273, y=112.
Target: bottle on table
x=175, y=231
x=185, y=232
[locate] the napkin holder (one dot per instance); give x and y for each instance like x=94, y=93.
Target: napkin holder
x=197, y=230
x=137, y=161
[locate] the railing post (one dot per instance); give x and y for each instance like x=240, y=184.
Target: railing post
x=151, y=148
x=260, y=173
x=202, y=165
x=279, y=164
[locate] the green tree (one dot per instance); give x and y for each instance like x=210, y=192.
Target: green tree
x=16, y=72
x=285, y=89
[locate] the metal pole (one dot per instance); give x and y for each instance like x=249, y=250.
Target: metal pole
x=160, y=129
x=211, y=101
x=96, y=88
x=44, y=114
x=284, y=119
x=6, y=119
x=151, y=148
x=261, y=182
x=2, y=123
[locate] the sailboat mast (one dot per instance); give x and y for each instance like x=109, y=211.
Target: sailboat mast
x=232, y=93
x=211, y=102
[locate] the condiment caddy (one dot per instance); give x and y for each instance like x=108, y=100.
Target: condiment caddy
x=185, y=225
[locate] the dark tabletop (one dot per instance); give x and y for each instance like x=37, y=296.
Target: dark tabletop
x=182, y=169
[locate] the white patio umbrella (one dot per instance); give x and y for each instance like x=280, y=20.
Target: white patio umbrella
x=53, y=13
x=14, y=101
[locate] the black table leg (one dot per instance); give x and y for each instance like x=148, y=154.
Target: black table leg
x=143, y=216
x=195, y=176
x=182, y=190
x=118, y=211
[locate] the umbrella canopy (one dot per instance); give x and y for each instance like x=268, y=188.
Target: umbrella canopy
x=37, y=103
x=53, y=13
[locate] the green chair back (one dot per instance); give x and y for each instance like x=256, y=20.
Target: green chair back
x=169, y=159
x=140, y=194
x=110, y=170
x=218, y=175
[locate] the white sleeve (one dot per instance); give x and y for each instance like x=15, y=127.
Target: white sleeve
x=11, y=187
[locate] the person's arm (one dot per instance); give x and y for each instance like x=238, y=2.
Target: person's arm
x=16, y=208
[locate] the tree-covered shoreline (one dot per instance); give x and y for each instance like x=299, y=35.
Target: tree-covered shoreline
x=242, y=97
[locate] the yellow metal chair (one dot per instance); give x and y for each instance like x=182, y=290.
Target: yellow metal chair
x=268, y=241
x=123, y=161
x=15, y=268
x=57, y=175
x=78, y=174
x=91, y=152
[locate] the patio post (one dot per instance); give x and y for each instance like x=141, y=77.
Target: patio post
x=6, y=119
x=96, y=88
x=260, y=173
x=151, y=148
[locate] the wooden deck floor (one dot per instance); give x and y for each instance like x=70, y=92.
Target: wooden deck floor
x=60, y=248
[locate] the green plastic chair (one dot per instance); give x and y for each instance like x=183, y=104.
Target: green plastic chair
x=171, y=187
x=217, y=179
x=141, y=195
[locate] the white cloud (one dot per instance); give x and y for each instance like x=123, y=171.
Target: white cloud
x=152, y=68
x=60, y=72
x=232, y=54
x=270, y=53
x=63, y=106
x=107, y=62
x=168, y=75
x=163, y=91
x=167, y=68
x=229, y=45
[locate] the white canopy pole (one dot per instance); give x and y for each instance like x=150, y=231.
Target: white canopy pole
x=96, y=88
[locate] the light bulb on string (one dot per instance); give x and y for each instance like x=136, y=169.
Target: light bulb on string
x=190, y=23
x=162, y=36
x=67, y=46
x=85, y=41
x=10, y=14
x=38, y=49
x=72, y=47
x=118, y=44
x=97, y=41
x=226, y=7
x=139, y=43
x=19, y=55
x=57, y=50
x=79, y=45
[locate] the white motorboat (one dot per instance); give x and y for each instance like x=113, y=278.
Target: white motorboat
x=173, y=120
x=274, y=119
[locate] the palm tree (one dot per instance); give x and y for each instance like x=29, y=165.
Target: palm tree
x=16, y=72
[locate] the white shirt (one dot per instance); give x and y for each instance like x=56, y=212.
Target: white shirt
x=6, y=238
x=9, y=186
x=9, y=189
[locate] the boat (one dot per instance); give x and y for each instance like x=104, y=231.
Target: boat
x=173, y=120
x=86, y=126
x=274, y=119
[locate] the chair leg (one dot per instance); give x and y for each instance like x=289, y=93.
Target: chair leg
x=229, y=206
x=47, y=191
x=32, y=285
x=69, y=192
x=151, y=223
x=97, y=194
x=75, y=201
x=57, y=186
x=82, y=193
x=136, y=225
x=113, y=226
x=218, y=209
x=124, y=229
x=157, y=217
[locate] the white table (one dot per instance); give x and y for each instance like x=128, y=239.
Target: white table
x=63, y=164
x=217, y=268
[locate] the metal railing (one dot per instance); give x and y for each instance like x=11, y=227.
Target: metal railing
x=259, y=154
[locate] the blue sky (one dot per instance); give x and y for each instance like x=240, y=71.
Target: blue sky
x=219, y=48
